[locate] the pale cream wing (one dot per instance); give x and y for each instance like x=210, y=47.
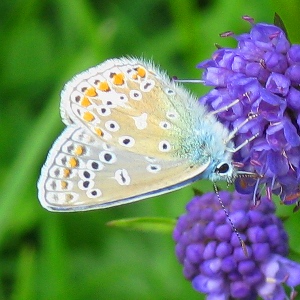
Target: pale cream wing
x=132, y=105
x=83, y=173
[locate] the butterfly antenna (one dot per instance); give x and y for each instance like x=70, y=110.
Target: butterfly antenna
x=175, y=79
x=243, y=245
x=234, y=132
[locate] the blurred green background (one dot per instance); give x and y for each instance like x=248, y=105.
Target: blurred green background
x=44, y=43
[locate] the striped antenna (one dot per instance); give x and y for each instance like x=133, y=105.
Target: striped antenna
x=243, y=245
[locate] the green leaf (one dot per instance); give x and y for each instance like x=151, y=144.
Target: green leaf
x=150, y=224
x=279, y=23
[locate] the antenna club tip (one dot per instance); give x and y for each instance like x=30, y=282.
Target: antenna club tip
x=244, y=247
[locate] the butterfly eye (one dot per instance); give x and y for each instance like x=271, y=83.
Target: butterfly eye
x=222, y=168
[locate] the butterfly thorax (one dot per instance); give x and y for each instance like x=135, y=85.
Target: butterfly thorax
x=203, y=146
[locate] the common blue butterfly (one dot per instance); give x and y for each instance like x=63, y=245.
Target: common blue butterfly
x=132, y=133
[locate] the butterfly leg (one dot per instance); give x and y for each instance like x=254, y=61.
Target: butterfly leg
x=224, y=108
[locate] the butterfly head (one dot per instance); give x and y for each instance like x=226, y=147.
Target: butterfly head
x=223, y=169
x=215, y=150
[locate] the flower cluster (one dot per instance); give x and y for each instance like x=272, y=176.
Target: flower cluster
x=214, y=260
x=260, y=77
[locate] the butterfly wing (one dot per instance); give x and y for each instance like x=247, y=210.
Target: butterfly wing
x=132, y=105
x=82, y=172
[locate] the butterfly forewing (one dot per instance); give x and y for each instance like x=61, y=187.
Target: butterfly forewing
x=131, y=105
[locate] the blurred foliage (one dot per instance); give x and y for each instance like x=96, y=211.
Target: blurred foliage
x=43, y=44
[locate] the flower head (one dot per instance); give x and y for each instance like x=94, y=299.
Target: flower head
x=262, y=77
x=213, y=258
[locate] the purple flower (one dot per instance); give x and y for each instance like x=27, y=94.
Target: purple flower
x=263, y=74
x=212, y=256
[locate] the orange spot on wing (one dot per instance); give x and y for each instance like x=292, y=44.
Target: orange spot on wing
x=118, y=79
x=88, y=116
x=91, y=92
x=79, y=150
x=66, y=172
x=85, y=102
x=69, y=197
x=64, y=184
x=103, y=86
x=73, y=162
x=141, y=72
x=98, y=131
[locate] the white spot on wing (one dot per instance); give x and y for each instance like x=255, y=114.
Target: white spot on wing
x=86, y=184
x=122, y=177
x=153, y=168
x=112, y=126
x=165, y=125
x=135, y=95
x=107, y=157
x=127, y=141
x=94, y=165
x=164, y=146
x=150, y=159
x=147, y=86
x=93, y=193
x=141, y=121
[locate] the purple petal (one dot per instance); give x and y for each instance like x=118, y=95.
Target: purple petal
x=290, y=269
x=206, y=63
x=257, y=234
x=216, y=76
x=293, y=73
x=293, y=99
x=211, y=267
x=241, y=86
x=278, y=84
x=189, y=269
x=269, y=106
x=261, y=251
x=180, y=252
x=255, y=69
x=224, y=58
x=267, y=36
x=207, y=285
x=223, y=232
x=238, y=65
x=229, y=264
x=277, y=163
x=240, y=289
x=293, y=54
x=271, y=291
x=223, y=250
x=197, y=232
x=194, y=252
x=275, y=62
x=291, y=133
x=246, y=267
x=210, y=250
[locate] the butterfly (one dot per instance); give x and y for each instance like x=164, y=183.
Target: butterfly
x=131, y=133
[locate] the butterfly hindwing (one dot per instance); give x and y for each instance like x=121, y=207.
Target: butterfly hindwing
x=82, y=172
